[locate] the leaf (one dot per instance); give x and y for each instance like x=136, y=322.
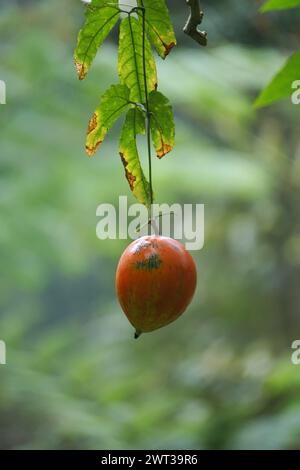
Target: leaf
x=158, y=26
x=134, y=124
x=130, y=64
x=162, y=123
x=113, y=103
x=281, y=84
x=101, y=18
x=279, y=5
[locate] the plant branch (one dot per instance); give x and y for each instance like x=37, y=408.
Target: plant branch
x=194, y=20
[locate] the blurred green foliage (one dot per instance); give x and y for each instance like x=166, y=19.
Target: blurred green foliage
x=221, y=376
x=285, y=80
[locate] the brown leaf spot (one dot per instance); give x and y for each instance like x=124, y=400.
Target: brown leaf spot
x=165, y=148
x=168, y=48
x=93, y=123
x=80, y=70
x=130, y=177
x=92, y=150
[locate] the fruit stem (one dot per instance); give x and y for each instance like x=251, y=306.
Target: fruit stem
x=137, y=334
x=154, y=225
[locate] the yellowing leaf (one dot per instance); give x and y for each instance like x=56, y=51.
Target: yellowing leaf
x=134, y=124
x=101, y=17
x=158, y=26
x=130, y=64
x=113, y=103
x=162, y=123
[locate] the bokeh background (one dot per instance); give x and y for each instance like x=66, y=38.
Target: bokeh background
x=221, y=377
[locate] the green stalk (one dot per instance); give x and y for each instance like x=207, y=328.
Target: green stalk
x=147, y=110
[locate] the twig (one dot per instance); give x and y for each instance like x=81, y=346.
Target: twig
x=195, y=19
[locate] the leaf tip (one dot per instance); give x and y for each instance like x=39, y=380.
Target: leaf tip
x=168, y=48
x=91, y=150
x=165, y=148
x=261, y=101
x=257, y=105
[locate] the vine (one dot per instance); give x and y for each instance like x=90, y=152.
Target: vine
x=144, y=26
x=147, y=107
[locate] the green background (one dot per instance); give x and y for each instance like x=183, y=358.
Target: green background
x=221, y=376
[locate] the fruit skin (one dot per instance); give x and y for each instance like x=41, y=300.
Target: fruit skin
x=155, y=282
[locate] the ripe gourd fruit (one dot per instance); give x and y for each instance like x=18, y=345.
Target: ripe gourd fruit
x=155, y=282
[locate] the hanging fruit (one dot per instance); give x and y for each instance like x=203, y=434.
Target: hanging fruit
x=155, y=282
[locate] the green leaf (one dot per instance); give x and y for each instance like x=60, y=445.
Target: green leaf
x=281, y=84
x=134, y=124
x=113, y=103
x=279, y=5
x=158, y=26
x=100, y=19
x=130, y=64
x=162, y=123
